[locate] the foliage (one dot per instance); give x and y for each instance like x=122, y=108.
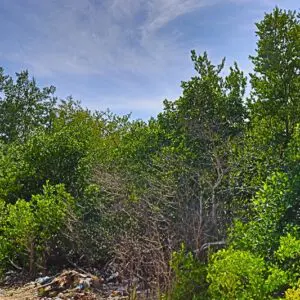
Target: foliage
x=276, y=80
x=13, y=168
x=263, y=231
x=190, y=276
x=24, y=106
x=236, y=274
x=63, y=154
x=288, y=256
x=293, y=293
x=273, y=105
x=29, y=229
x=89, y=233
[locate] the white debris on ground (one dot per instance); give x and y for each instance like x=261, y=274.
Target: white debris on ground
x=71, y=284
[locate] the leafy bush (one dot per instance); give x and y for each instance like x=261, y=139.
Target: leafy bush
x=293, y=293
x=288, y=256
x=4, y=247
x=30, y=228
x=262, y=232
x=190, y=276
x=91, y=229
x=236, y=274
x=13, y=169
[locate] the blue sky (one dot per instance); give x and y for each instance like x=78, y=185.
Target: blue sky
x=126, y=55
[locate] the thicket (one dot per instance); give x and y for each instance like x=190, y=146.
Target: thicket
x=200, y=202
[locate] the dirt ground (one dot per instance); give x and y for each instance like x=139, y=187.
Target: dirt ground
x=30, y=293
x=22, y=293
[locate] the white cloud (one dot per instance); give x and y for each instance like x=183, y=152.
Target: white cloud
x=102, y=36
x=98, y=37
x=123, y=40
x=162, y=12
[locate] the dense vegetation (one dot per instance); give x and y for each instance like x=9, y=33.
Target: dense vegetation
x=201, y=202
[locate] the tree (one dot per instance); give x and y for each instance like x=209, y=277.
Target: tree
x=64, y=153
x=276, y=80
x=201, y=125
x=275, y=97
x=274, y=103
x=24, y=106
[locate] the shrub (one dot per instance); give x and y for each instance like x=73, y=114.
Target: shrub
x=236, y=274
x=293, y=293
x=288, y=256
x=28, y=229
x=190, y=276
x=90, y=230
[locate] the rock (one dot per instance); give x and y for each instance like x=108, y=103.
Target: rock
x=43, y=280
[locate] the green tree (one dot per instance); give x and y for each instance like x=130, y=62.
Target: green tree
x=24, y=106
x=273, y=214
x=276, y=80
x=200, y=127
x=66, y=154
x=274, y=103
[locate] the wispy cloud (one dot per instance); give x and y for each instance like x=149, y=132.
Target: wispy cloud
x=162, y=12
x=93, y=37
x=100, y=37
x=129, y=53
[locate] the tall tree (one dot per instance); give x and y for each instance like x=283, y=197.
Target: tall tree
x=276, y=77
x=274, y=102
x=23, y=106
x=202, y=123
